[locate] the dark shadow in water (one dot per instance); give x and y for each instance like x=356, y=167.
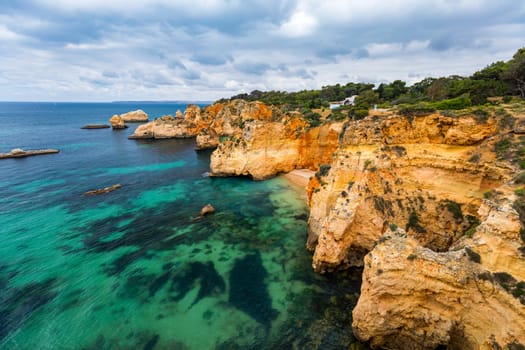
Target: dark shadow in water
x=150, y=345
x=158, y=283
x=204, y=274
x=141, y=232
x=248, y=291
x=18, y=305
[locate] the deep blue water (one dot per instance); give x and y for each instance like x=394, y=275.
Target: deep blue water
x=132, y=269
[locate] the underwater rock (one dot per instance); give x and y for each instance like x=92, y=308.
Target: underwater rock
x=249, y=292
x=205, y=274
x=20, y=153
x=103, y=190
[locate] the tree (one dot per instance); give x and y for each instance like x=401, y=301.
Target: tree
x=515, y=72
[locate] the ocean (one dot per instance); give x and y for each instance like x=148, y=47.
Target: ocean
x=134, y=269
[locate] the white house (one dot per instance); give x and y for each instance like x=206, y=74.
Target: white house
x=349, y=101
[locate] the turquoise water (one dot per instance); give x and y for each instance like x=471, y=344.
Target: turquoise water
x=134, y=269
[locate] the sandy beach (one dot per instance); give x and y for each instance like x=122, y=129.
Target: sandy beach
x=300, y=177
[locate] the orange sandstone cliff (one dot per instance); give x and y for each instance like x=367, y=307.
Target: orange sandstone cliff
x=425, y=203
x=429, y=205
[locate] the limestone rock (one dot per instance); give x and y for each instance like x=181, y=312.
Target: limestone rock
x=267, y=148
x=117, y=122
x=137, y=116
x=208, y=124
x=207, y=209
x=103, y=190
x=20, y=153
x=415, y=298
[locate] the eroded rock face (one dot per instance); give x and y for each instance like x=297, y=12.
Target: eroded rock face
x=117, y=122
x=415, y=298
x=415, y=174
x=208, y=124
x=268, y=148
x=453, y=273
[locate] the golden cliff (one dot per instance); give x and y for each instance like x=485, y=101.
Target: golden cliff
x=265, y=149
x=424, y=202
x=209, y=124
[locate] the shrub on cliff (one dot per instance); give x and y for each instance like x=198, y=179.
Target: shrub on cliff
x=460, y=102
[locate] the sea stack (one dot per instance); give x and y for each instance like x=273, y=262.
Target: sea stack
x=117, y=122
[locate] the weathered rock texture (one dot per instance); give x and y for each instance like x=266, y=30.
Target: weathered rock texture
x=426, y=175
x=137, y=116
x=415, y=298
x=267, y=148
x=208, y=125
x=117, y=122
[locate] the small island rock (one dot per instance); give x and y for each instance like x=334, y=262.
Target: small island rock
x=137, y=116
x=103, y=190
x=207, y=209
x=20, y=153
x=95, y=126
x=117, y=122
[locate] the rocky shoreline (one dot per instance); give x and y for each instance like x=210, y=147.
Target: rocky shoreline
x=404, y=196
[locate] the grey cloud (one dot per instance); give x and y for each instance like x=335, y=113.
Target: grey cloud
x=210, y=59
x=253, y=68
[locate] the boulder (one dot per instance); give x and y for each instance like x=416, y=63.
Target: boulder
x=207, y=209
x=117, y=122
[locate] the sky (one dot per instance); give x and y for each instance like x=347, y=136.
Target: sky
x=107, y=50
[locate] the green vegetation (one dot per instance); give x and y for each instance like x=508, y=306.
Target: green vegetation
x=520, y=192
x=472, y=255
x=445, y=93
x=413, y=222
x=323, y=171
x=455, y=209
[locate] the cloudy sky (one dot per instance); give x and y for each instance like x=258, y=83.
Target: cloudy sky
x=105, y=50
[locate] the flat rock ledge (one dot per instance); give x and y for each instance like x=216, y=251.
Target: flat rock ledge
x=20, y=153
x=103, y=190
x=95, y=126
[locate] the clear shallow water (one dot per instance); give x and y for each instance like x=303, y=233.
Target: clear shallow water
x=131, y=269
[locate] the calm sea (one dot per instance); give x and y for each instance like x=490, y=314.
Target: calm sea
x=132, y=269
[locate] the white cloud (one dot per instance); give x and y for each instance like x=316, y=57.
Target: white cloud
x=6, y=34
x=298, y=25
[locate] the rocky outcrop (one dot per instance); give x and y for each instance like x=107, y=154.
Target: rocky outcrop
x=415, y=298
x=208, y=125
x=117, y=122
x=426, y=175
x=95, y=126
x=424, y=203
x=267, y=148
x=103, y=190
x=20, y=153
x=138, y=116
